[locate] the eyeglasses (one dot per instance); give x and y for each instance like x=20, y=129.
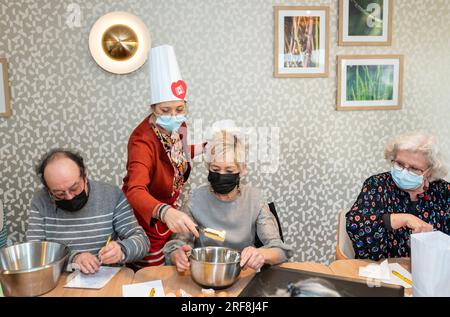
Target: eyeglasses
x=76, y=189
x=411, y=170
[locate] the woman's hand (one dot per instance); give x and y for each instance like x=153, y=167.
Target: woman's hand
x=179, y=222
x=180, y=259
x=252, y=258
x=411, y=222
x=111, y=254
x=87, y=262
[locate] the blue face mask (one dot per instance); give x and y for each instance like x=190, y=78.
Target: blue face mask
x=170, y=123
x=405, y=180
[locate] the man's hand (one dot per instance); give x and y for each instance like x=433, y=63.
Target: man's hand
x=111, y=254
x=87, y=262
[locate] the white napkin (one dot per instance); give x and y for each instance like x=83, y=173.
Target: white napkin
x=376, y=271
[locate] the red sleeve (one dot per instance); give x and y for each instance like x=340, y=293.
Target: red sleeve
x=139, y=170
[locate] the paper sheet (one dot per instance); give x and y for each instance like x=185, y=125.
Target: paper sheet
x=143, y=289
x=396, y=280
x=383, y=272
x=94, y=281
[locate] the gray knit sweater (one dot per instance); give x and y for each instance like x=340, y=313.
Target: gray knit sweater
x=107, y=212
x=241, y=219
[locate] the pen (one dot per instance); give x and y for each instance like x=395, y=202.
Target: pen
x=152, y=292
x=107, y=242
x=402, y=277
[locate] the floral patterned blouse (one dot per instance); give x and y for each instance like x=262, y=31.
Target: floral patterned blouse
x=174, y=148
x=371, y=236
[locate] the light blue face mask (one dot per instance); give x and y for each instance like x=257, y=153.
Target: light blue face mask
x=405, y=180
x=170, y=123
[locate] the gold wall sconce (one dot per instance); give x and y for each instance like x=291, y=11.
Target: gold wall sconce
x=119, y=42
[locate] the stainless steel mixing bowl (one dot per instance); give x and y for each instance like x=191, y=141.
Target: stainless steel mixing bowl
x=215, y=267
x=32, y=268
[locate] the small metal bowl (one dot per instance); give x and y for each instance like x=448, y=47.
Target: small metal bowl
x=32, y=268
x=215, y=267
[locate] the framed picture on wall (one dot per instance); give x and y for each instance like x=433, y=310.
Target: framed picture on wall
x=5, y=107
x=365, y=22
x=369, y=82
x=301, y=41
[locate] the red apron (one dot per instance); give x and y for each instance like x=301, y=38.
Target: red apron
x=158, y=234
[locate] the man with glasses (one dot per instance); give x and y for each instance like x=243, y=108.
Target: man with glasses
x=412, y=197
x=84, y=215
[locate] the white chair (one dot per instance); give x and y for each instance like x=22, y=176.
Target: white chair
x=344, y=246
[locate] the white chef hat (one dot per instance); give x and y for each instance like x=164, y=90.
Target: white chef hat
x=166, y=83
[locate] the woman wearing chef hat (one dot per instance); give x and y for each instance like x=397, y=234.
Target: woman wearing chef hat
x=159, y=158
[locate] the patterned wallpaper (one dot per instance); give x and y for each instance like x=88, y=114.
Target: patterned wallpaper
x=60, y=97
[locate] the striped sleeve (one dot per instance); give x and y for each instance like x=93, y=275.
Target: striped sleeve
x=35, y=230
x=133, y=239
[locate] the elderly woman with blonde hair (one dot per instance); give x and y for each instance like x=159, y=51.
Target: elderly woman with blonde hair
x=225, y=204
x=411, y=198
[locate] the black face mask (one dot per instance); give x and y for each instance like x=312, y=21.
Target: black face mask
x=223, y=183
x=74, y=204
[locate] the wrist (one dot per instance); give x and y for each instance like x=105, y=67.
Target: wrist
x=123, y=253
x=173, y=257
x=264, y=254
x=75, y=257
x=163, y=211
x=399, y=220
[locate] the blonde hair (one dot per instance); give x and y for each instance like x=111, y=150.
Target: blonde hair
x=224, y=146
x=418, y=141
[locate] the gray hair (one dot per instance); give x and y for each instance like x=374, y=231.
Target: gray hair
x=418, y=141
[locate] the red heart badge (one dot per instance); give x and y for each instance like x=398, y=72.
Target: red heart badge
x=179, y=89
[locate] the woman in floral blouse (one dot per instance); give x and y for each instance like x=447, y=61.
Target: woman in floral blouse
x=411, y=198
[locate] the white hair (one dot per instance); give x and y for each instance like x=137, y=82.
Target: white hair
x=224, y=146
x=418, y=141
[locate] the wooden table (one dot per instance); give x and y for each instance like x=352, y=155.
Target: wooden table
x=112, y=289
x=174, y=281
x=350, y=268
x=308, y=266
